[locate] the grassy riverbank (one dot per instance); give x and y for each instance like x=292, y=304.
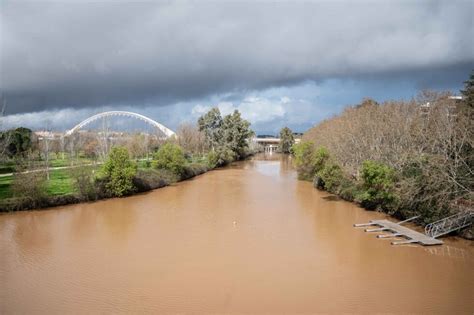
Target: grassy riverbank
x=62, y=188
x=214, y=142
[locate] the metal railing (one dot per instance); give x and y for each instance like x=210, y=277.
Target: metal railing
x=449, y=224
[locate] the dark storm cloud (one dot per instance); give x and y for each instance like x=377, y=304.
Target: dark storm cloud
x=70, y=54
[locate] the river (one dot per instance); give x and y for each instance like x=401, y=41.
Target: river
x=249, y=238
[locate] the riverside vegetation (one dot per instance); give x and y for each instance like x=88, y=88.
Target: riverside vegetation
x=404, y=158
x=215, y=141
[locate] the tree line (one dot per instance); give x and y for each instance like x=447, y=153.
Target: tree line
x=403, y=157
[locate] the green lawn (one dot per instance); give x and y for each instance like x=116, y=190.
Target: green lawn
x=60, y=183
x=5, y=183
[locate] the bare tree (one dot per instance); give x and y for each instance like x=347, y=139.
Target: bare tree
x=45, y=145
x=5, y=136
x=426, y=140
x=191, y=139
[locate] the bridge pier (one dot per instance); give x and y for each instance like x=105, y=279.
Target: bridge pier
x=270, y=148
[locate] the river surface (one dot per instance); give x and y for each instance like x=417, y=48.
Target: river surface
x=249, y=238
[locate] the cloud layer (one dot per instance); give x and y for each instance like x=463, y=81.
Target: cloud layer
x=147, y=54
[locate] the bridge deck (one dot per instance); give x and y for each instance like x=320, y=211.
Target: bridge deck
x=399, y=231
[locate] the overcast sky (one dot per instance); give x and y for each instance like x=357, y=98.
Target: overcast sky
x=280, y=63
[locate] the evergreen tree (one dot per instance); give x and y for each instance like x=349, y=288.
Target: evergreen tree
x=228, y=137
x=119, y=171
x=236, y=133
x=211, y=123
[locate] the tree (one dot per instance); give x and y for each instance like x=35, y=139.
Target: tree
x=236, y=134
x=211, y=123
x=170, y=157
x=137, y=145
x=378, y=183
x=4, y=136
x=304, y=160
x=17, y=141
x=286, y=140
x=228, y=137
x=191, y=139
x=468, y=92
x=119, y=171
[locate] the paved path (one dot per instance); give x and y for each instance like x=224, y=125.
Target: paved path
x=51, y=169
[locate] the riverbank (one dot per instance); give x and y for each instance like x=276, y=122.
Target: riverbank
x=396, y=158
x=349, y=190
x=145, y=180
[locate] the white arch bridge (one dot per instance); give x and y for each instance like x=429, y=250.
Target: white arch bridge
x=168, y=132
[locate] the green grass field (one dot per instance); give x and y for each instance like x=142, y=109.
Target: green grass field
x=5, y=183
x=60, y=183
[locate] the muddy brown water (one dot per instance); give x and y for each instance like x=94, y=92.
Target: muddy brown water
x=248, y=238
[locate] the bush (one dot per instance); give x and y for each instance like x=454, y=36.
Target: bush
x=320, y=158
x=332, y=176
x=348, y=190
x=304, y=160
x=18, y=204
x=149, y=179
x=193, y=169
x=30, y=188
x=119, y=172
x=378, y=185
x=212, y=159
x=220, y=157
x=84, y=183
x=170, y=157
x=318, y=182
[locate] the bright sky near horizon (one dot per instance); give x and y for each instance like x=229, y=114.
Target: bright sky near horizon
x=280, y=63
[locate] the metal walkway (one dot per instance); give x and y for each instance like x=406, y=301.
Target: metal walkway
x=397, y=230
x=449, y=224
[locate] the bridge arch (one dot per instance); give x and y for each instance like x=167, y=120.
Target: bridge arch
x=168, y=132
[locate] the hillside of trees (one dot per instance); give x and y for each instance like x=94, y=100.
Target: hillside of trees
x=406, y=158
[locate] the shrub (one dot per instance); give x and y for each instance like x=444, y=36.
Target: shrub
x=318, y=182
x=212, y=159
x=348, y=189
x=332, y=176
x=378, y=184
x=193, y=169
x=119, y=171
x=304, y=160
x=30, y=188
x=170, y=157
x=220, y=157
x=150, y=179
x=320, y=158
x=84, y=183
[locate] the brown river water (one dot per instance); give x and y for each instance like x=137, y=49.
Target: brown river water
x=249, y=238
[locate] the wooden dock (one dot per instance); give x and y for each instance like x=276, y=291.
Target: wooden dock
x=397, y=230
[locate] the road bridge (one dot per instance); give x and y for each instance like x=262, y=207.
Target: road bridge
x=269, y=144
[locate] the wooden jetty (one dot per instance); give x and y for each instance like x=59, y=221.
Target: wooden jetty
x=397, y=230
